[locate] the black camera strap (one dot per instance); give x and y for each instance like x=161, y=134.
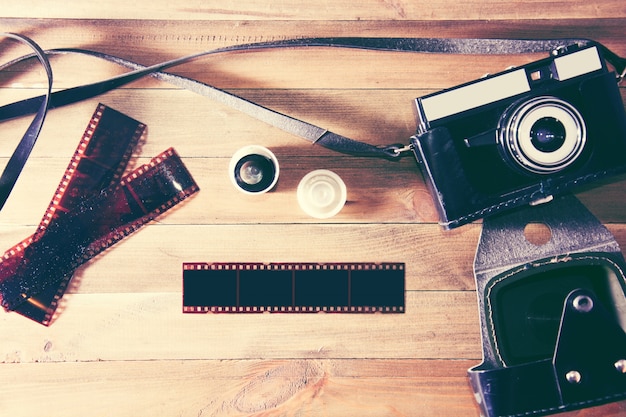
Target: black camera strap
x=292, y=125
x=22, y=151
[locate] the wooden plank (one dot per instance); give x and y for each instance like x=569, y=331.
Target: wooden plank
x=158, y=42
x=151, y=260
x=239, y=388
x=151, y=326
x=206, y=128
x=322, y=10
x=257, y=70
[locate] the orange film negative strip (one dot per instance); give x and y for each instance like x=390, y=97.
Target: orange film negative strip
x=93, y=208
x=293, y=288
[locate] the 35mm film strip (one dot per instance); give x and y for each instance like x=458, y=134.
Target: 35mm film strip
x=293, y=287
x=93, y=208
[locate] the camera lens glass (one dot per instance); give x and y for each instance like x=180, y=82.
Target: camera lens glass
x=254, y=173
x=548, y=134
x=542, y=135
x=251, y=172
x=253, y=169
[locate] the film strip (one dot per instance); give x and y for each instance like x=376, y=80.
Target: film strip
x=293, y=288
x=93, y=208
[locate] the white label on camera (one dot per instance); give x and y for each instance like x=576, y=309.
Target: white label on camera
x=448, y=103
x=577, y=63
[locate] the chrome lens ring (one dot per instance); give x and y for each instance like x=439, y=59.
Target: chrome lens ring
x=543, y=119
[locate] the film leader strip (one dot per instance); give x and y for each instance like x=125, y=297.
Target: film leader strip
x=293, y=288
x=93, y=208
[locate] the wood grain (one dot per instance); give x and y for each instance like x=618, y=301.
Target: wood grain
x=312, y=387
x=322, y=10
x=120, y=344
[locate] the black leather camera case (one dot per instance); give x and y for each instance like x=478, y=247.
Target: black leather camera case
x=552, y=316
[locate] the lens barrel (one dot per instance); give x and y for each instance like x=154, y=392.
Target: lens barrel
x=253, y=169
x=542, y=135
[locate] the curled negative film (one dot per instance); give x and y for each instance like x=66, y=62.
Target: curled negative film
x=293, y=287
x=93, y=208
x=99, y=161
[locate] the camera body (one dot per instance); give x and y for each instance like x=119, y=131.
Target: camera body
x=521, y=136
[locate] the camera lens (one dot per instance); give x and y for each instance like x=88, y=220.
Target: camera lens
x=548, y=134
x=253, y=169
x=542, y=135
x=254, y=173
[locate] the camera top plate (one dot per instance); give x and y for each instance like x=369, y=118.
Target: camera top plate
x=565, y=64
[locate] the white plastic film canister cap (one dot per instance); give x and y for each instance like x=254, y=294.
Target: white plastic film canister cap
x=322, y=194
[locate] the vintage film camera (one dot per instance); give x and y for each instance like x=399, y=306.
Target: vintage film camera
x=521, y=136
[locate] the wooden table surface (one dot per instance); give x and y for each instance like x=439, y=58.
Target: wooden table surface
x=121, y=346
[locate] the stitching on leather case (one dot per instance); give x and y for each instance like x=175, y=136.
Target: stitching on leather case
x=527, y=197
